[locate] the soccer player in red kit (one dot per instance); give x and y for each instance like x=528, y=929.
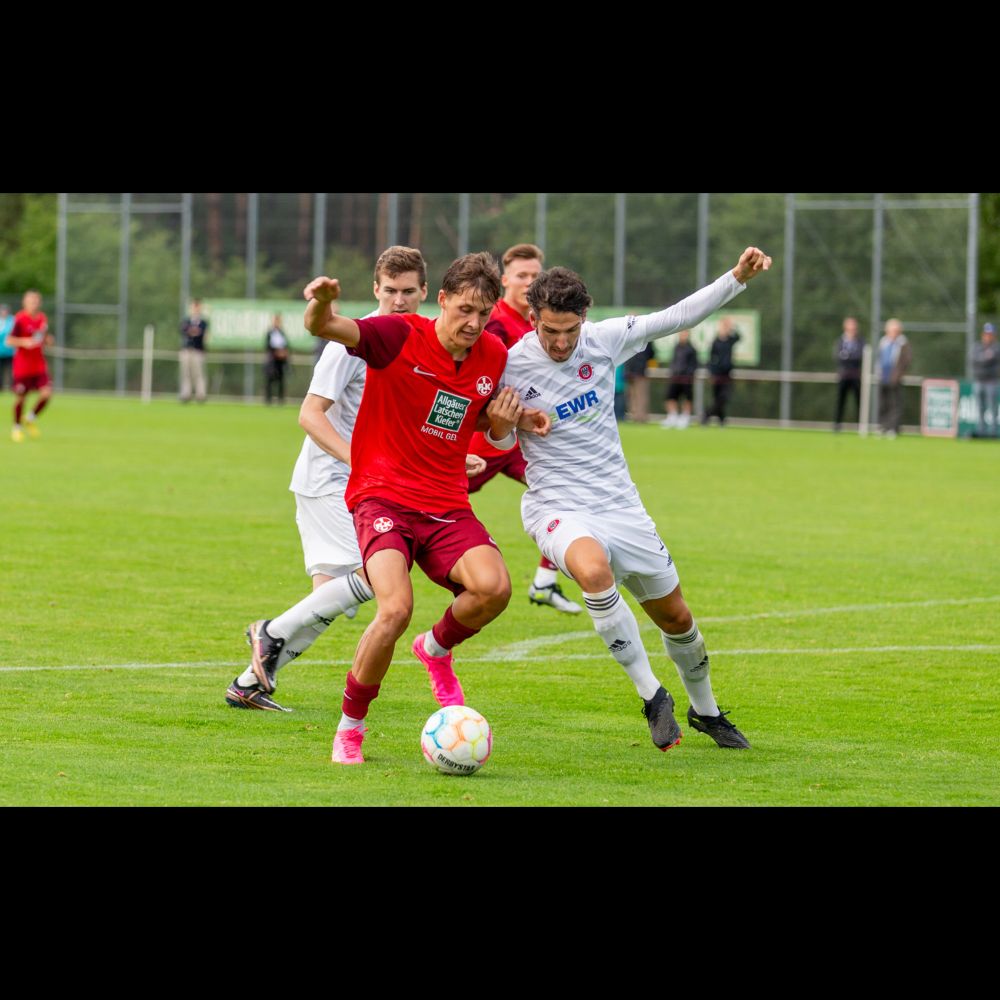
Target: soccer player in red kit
x=429, y=382
x=29, y=335
x=510, y=321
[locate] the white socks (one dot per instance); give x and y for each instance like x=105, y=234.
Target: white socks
x=691, y=659
x=346, y=722
x=431, y=646
x=545, y=577
x=320, y=608
x=617, y=626
x=303, y=624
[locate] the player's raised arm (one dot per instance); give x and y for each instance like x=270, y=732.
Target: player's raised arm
x=320, y=319
x=699, y=305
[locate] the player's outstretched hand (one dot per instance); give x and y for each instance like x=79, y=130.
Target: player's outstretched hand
x=504, y=412
x=474, y=465
x=752, y=262
x=322, y=290
x=535, y=422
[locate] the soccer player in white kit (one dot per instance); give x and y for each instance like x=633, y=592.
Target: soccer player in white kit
x=582, y=508
x=329, y=542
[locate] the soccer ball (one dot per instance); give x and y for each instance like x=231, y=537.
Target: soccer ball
x=456, y=740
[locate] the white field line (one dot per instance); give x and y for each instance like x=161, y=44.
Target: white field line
x=522, y=650
x=503, y=658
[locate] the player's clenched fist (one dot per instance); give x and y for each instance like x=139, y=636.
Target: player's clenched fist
x=504, y=412
x=752, y=261
x=322, y=290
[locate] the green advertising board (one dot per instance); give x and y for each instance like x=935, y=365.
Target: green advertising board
x=746, y=353
x=939, y=407
x=948, y=408
x=240, y=325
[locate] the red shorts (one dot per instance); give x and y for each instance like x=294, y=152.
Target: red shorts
x=435, y=542
x=27, y=383
x=510, y=464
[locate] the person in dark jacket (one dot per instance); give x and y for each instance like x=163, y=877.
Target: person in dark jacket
x=683, y=366
x=720, y=367
x=848, y=353
x=985, y=373
x=276, y=346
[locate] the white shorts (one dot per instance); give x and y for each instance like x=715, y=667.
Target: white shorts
x=637, y=555
x=326, y=527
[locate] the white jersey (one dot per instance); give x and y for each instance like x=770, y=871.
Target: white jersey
x=580, y=464
x=339, y=377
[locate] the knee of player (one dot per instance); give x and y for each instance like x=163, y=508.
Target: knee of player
x=394, y=615
x=492, y=590
x=677, y=620
x=594, y=578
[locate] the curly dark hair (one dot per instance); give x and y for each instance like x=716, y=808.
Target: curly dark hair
x=560, y=290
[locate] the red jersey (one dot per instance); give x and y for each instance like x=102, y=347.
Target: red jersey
x=29, y=361
x=418, y=413
x=510, y=326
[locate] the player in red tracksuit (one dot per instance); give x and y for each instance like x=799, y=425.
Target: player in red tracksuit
x=509, y=320
x=29, y=336
x=428, y=384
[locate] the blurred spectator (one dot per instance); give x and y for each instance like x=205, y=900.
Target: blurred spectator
x=276, y=345
x=720, y=367
x=683, y=366
x=620, y=392
x=894, y=358
x=30, y=336
x=637, y=385
x=6, y=353
x=985, y=372
x=848, y=353
x=194, y=332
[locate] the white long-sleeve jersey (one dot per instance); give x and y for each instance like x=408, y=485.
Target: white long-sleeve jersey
x=580, y=464
x=340, y=377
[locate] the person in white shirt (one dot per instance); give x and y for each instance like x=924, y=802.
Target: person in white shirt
x=329, y=543
x=582, y=508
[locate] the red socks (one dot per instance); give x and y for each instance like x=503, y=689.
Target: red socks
x=357, y=697
x=450, y=631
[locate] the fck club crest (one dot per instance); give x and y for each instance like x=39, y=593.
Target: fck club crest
x=485, y=385
x=382, y=524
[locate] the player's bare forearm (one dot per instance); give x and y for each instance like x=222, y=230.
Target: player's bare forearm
x=312, y=419
x=321, y=321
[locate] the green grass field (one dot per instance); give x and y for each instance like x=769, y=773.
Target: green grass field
x=848, y=590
